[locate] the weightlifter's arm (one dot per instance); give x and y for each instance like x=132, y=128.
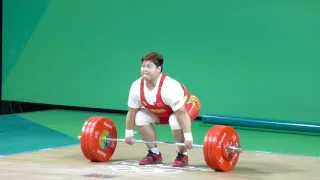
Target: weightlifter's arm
x=129, y=134
x=134, y=105
x=130, y=118
x=174, y=96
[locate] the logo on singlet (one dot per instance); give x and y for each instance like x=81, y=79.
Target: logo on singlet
x=158, y=110
x=176, y=103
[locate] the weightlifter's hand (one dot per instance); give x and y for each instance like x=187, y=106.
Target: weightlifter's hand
x=129, y=137
x=188, y=140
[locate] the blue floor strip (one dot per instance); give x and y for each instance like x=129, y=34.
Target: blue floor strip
x=19, y=135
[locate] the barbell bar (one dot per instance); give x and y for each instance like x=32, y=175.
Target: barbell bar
x=233, y=148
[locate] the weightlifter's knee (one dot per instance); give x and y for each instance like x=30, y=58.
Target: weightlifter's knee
x=145, y=117
x=174, y=124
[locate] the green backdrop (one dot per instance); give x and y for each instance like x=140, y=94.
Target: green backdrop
x=241, y=58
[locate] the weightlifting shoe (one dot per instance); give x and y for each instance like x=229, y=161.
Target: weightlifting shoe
x=151, y=158
x=181, y=160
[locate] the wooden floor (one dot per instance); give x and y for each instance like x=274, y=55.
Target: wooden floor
x=69, y=163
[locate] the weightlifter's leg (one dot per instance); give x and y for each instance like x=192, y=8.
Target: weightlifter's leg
x=178, y=136
x=148, y=133
x=144, y=120
x=182, y=157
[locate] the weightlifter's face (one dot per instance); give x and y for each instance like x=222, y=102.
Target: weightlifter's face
x=150, y=71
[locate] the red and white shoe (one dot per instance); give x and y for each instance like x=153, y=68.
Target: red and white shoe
x=181, y=160
x=151, y=158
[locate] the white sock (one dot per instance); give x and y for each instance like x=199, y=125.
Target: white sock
x=155, y=150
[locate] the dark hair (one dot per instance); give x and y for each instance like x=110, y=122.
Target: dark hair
x=156, y=58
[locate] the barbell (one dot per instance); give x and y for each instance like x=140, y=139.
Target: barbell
x=221, y=148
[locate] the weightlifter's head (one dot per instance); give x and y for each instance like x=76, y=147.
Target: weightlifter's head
x=152, y=66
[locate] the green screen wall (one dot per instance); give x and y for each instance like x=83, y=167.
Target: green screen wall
x=241, y=58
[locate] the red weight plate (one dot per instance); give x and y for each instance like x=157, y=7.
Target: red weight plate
x=228, y=154
x=212, y=140
x=223, y=135
x=101, y=129
x=87, y=138
x=215, y=133
x=205, y=150
x=83, y=139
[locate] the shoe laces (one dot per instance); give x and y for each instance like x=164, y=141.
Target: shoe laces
x=180, y=156
x=150, y=153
